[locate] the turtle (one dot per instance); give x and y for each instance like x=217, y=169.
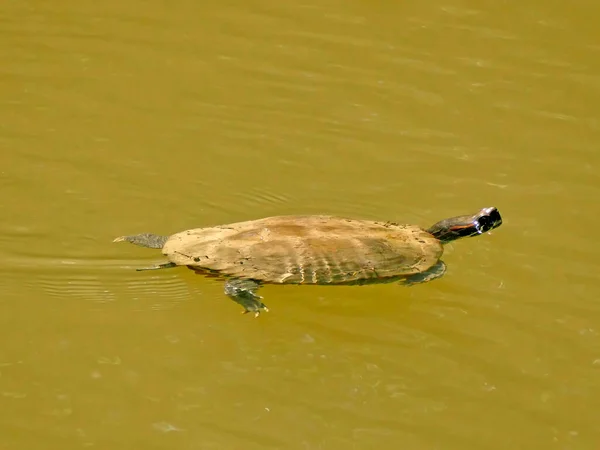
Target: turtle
x=313, y=249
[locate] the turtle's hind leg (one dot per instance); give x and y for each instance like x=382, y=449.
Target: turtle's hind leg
x=158, y=266
x=244, y=293
x=437, y=271
x=149, y=240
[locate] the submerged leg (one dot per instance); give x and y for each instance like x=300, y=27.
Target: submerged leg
x=158, y=266
x=431, y=274
x=244, y=293
x=149, y=240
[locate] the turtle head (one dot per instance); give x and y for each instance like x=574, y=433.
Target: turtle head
x=464, y=226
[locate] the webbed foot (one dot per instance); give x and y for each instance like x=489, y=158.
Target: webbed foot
x=244, y=293
x=432, y=273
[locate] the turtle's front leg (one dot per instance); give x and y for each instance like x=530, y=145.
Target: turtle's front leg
x=244, y=293
x=434, y=272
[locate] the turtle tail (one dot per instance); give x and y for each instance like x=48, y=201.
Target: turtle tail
x=144, y=240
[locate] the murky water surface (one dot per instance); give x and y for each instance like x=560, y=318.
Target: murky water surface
x=124, y=117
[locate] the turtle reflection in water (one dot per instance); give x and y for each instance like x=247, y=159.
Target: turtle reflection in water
x=313, y=250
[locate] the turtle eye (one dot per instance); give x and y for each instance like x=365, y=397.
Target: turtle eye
x=484, y=223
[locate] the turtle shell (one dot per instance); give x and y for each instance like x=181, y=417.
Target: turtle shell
x=306, y=250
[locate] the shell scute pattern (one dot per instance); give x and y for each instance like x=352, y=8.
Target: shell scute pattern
x=306, y=250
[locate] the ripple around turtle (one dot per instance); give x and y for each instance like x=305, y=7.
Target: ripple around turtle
x=99, y=280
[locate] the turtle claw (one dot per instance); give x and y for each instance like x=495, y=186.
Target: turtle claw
x=243, y=292
x=256, y=311
x=251, y=304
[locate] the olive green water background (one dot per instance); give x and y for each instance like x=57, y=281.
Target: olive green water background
x=125, y=117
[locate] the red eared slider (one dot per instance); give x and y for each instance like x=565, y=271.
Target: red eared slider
x=313, y=250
